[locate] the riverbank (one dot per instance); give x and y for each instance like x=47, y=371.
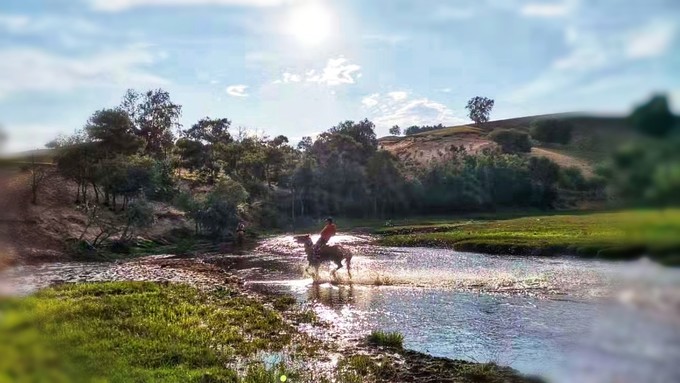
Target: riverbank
x=194, y=322
x=610, y=235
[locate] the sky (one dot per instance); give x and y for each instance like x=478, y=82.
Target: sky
x=298, y=67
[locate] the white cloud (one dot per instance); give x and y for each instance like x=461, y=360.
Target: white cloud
x=337, y=71
x=237, y=90
x=288, y=78
x=387, y=110
x=122, y=5
x=398, y=96
x=25, y=25
x=418, y=112
x=651, y=41
x=371, y=100
x=445, y=90
x=29, y=69
x=550, y=9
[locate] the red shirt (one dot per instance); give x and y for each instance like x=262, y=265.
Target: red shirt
x=328, y=231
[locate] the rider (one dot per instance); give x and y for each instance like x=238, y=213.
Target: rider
x=328, y=231
x=240, y=232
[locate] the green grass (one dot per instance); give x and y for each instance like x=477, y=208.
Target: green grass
x=123, y=332
x=386, y=339
x=624, y=234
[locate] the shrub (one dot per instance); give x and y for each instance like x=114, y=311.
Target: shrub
x=552, y=131
x=511, y=140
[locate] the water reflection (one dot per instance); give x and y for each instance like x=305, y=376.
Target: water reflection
x=331, y=296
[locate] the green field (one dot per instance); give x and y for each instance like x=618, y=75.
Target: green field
x=616, y=235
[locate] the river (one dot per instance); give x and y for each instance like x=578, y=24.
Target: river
x=562, y=318
x=565, y=319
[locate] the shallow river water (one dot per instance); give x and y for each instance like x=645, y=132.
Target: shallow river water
x=565, y=319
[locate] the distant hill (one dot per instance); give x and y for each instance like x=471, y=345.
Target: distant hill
x=593, y=140
x=40, y=156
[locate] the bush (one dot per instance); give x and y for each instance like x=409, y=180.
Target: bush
x=386, y=339
x=511, y=140
x=552, y=131
x=572, y=179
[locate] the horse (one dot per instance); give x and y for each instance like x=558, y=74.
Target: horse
x=325, y=254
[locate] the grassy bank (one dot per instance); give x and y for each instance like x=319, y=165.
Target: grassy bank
x=148, y=332
x=616, y=235
x=123, y=332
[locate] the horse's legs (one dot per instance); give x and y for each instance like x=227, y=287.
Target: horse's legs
x=348, y=260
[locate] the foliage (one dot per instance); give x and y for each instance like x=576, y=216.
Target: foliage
x=411, y=130
x=155, y=117
x=486, y=181
x=654, y=117
x=645, y=174
x=552, y=130
x=511, y=140
x=479, y=109
x=219, y=211
x=305, y=144
x=395, y=130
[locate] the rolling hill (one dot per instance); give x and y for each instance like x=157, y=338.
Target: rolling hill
x=593, y=140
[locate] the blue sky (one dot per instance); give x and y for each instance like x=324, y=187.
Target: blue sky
x=298, y=67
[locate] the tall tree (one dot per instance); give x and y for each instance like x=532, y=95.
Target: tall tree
x=155, y=117
x=199, y=147
x=479, y=109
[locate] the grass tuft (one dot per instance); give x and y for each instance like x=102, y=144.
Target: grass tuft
x=386, y=339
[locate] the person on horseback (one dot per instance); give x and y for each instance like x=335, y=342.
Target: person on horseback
x=240, y=233
x=326, y=234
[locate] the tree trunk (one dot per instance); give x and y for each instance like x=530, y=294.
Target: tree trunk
x=78, y=194
x=96, y=192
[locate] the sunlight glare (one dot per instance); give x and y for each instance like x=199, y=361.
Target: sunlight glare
x=310, y=24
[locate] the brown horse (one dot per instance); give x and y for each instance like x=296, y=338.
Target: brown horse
x=325, y=254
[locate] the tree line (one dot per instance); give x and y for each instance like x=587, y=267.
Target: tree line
x=138, y=152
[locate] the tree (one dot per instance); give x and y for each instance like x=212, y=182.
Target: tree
x=39, y=174
x=155, y=116
x=114, y=132
x=210, y=131
x=305, y=144
x=479, y=109
x=199, y=147
x=395, y=130
x=139, y=215
x=552, y=130
x=654, y=118
x=511, y=140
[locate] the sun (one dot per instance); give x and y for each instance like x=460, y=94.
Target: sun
x=310, y=24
